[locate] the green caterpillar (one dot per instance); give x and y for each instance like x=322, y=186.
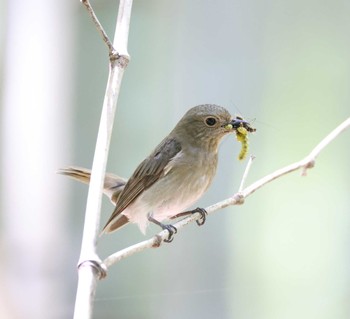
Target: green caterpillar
x=242, y=128
x=242, y=137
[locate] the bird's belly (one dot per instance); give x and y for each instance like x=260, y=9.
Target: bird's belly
x=169, y=201
x=165, y=199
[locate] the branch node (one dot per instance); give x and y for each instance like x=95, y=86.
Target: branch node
x=238, y=198
x=114, y=55
x=99, y=268
x=157, y=241
x=121, y=61
x=307, y=166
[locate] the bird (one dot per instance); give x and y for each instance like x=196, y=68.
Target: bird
x=174, y=176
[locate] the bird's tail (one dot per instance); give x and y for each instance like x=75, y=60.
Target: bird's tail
x=113, y=184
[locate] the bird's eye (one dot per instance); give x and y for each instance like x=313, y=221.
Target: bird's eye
x=210, y=121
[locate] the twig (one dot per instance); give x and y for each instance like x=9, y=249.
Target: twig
x=306, y=163
x=99, y=26
x=90, y=267
x=245, y=175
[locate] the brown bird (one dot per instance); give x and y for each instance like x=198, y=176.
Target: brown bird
x=174, y=175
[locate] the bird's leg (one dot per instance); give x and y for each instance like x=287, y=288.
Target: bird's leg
x=199, y=210
x=170, y=228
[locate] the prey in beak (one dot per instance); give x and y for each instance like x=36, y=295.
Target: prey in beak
x=238, y=122
x=241, y=128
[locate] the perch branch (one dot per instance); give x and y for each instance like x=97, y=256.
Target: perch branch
x=237, y=199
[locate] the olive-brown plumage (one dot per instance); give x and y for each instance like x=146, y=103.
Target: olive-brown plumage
x=174, y=175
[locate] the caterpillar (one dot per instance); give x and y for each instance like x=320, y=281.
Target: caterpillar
x=242, y=137
x=242, y=128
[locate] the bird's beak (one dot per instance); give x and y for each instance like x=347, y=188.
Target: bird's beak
x=239, y=122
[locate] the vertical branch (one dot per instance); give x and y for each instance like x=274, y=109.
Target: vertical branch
x=90, y=267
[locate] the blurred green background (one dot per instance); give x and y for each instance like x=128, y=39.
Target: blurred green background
x=283, y=254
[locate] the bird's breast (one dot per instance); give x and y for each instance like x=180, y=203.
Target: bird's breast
x=183, y=185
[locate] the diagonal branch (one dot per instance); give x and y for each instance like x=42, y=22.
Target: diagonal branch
x=99, y=26
x=236, y=199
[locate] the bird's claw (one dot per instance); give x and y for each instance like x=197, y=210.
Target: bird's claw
x=172, y=231
x=203, y=214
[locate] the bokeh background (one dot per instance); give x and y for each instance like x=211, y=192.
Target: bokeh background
x=286, y=64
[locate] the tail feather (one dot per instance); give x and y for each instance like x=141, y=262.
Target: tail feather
x=112, y=188
x=78, y=173
x=113, y=184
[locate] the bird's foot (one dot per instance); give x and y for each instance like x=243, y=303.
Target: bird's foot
x=172, y=230
x=199, y=210
x=203, y=214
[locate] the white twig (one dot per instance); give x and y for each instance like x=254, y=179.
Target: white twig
x=238, y=198
x=89, y=266
x=246, y=172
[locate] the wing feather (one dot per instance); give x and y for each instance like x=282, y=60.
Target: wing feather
x=146, y=174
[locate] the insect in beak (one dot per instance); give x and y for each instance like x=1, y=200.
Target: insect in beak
x=242, y=128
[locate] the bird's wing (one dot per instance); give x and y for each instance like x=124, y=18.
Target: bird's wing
x=147, y=173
